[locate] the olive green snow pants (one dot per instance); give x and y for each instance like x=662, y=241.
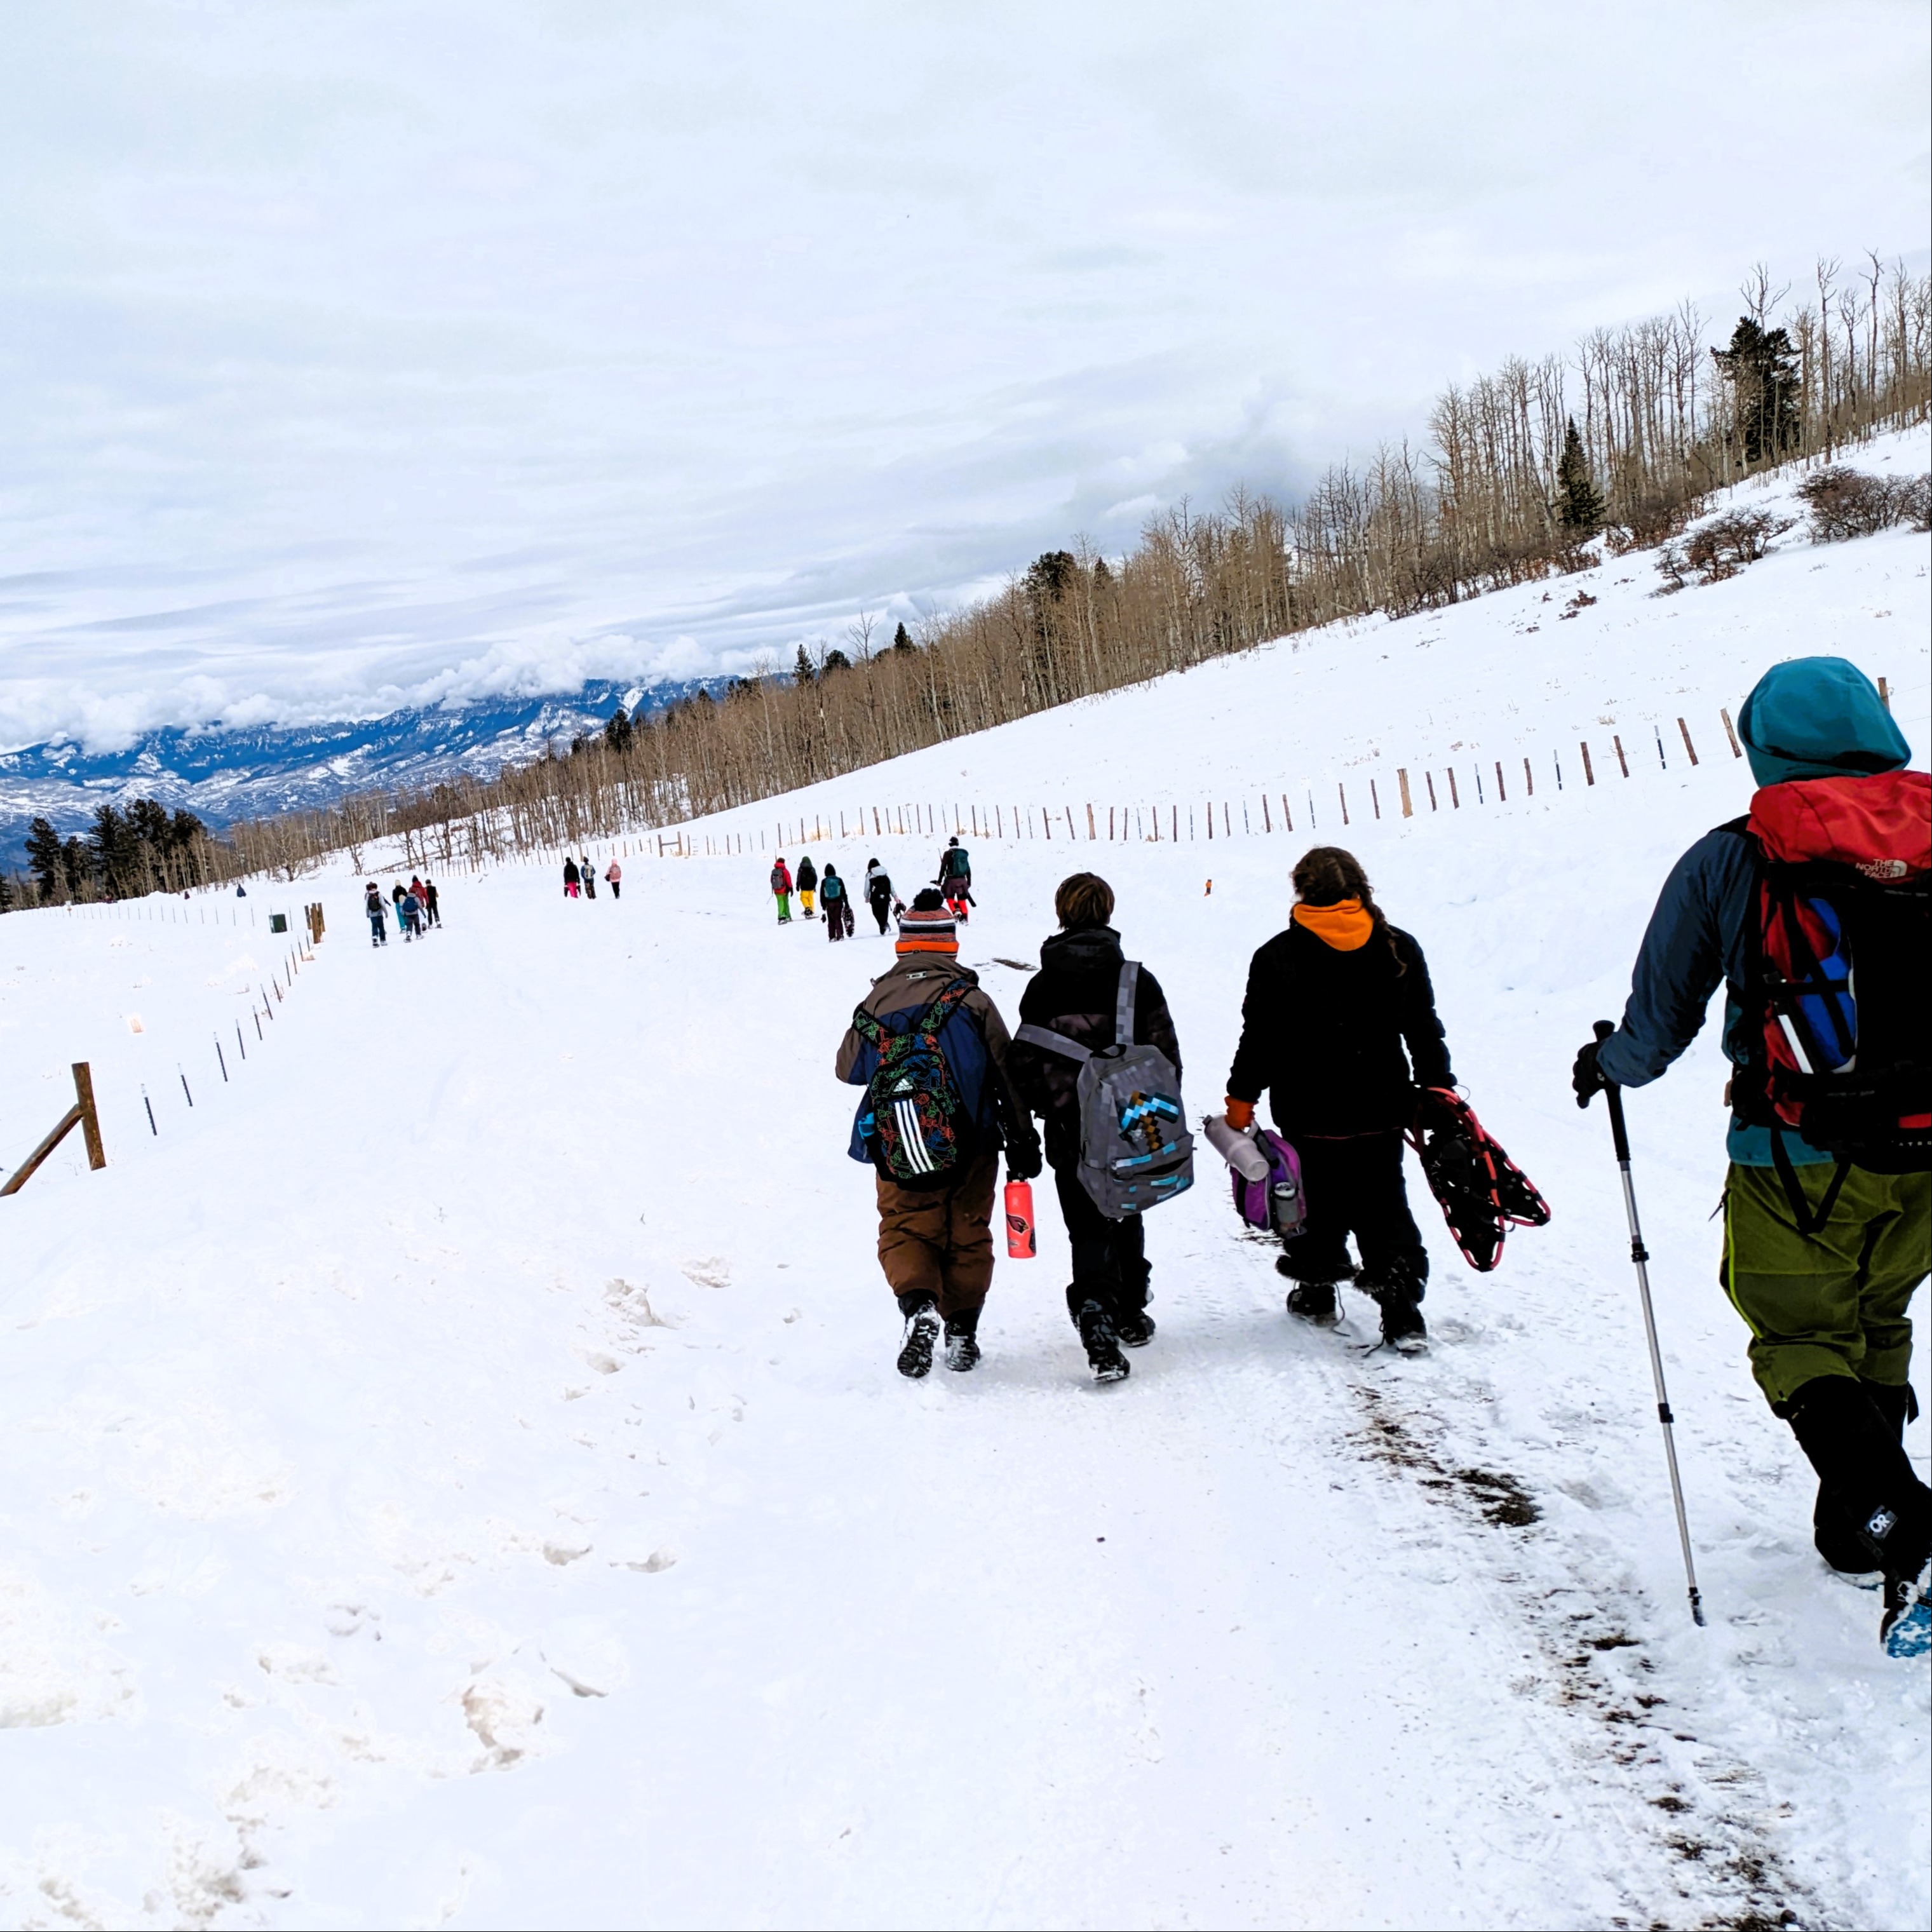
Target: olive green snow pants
x=1835, y=1303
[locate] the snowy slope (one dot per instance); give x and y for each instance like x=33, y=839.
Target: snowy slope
x=457, y=1474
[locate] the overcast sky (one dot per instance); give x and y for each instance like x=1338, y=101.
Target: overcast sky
x=353, y=354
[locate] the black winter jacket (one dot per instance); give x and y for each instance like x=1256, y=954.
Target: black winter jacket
x=807, y=876
x=1324, y=1032
x=1074, y=992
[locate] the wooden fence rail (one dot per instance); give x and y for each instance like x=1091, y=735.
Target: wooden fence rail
x=81, y=1114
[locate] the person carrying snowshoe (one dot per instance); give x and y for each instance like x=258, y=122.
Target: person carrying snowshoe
x=932, y=1052
x=1813, y=911
x=807, y=884
x=1075, y=995
x=837, y=903
x=572, y=878
x=880, y=896
x=782, y=890
x=1338, y=1027
x=377, y=914
x=955, y=878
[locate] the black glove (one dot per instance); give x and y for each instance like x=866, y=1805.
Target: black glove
x=1024, y=1163
x=1586, y=1076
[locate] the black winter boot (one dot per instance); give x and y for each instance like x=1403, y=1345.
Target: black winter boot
x=962, y=1342
x=1134, y=1328
x=1852, y=1441
x=922, y=1330
x=1398, y=1292
x=1836, y=1531
x=1314, y=1301
x=1103, y=1345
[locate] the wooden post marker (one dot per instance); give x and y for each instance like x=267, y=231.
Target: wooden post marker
x=1687, y=746
x=1589, y=776
x=81, y=1114
x=1737, y=750
x=1408, y=804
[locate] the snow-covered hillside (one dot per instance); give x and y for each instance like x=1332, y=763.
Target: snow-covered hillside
x=456, y=1474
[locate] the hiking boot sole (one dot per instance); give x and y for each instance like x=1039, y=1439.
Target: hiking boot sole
x=916, y=1357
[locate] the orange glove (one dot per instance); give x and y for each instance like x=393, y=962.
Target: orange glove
x=1240, y=1114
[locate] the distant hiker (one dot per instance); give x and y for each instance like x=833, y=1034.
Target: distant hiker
x=879, y=895
x=1075, y=996
x=1332, y=1003
x=955, y=878
x=411, y=913
x=781, y=891
x=571, y=877
x=378, y=915
x=838, y=905
x=589, y=876
x=930, y=1049
x=1818, y=894
x=808, y=884
x=432, y=904
x=613, y=877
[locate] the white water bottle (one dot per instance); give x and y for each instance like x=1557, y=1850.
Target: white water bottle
x=1237, y=1146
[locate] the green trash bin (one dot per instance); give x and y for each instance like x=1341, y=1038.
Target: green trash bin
x=278, y=921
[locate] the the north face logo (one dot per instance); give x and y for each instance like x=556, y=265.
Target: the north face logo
x=1883, y=869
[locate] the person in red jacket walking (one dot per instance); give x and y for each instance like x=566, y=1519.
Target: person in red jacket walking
x=781, y=889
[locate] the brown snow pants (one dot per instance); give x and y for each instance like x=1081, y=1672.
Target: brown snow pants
x=940, y=1239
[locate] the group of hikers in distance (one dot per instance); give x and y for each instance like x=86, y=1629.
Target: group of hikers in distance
x=417, y=906
x=583, y=878
x=953, y=884
x=1828, y=1201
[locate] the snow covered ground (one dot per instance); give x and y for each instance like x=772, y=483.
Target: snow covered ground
x=455, y=1472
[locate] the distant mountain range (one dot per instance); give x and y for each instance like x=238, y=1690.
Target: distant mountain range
x=223, y=775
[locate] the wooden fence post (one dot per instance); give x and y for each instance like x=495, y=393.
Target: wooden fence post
x=1693, y=749
x=1408, y=803
x=1617, y=740
x=1737, y=750
x=1428, y=779
x=81, y=1114
x=1091, y=832
x=1341, y=792
x=1529, y=779
x=1589, y=776
x=1455, y=797
x=1884, y=696
x=1502, y=795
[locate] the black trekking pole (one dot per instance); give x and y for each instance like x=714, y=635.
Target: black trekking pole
x=1640, y=1255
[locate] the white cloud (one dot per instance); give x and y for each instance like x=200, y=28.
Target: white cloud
x=388, y=347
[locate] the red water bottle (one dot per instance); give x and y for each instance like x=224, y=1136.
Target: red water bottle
x=1019, y=1220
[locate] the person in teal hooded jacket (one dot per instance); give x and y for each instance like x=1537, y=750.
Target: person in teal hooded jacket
x=1828, y=1310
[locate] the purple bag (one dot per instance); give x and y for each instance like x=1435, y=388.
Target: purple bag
x=1278, y=1204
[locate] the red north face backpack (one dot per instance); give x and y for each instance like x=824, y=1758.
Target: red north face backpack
x=1839, y=1023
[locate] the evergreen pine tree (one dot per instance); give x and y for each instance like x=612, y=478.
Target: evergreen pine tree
x=619, y=731
x=6, y=893
x=834, y=660
x=801, y=672
x=76, y=868
x=44, y=859
x=1761, y=366
x=1579, y=504
x=902, y=639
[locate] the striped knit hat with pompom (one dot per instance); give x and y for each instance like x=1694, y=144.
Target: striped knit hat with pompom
x=926, y=926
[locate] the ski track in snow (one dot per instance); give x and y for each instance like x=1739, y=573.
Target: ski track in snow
x=456, y=1474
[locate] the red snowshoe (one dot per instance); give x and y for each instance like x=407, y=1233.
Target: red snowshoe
x=1482, y=1192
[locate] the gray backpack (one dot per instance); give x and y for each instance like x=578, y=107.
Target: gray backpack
x=1135, y=1151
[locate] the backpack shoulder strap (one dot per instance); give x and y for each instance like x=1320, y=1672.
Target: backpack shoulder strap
x=1050, y=1042
x=1123, y=1005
